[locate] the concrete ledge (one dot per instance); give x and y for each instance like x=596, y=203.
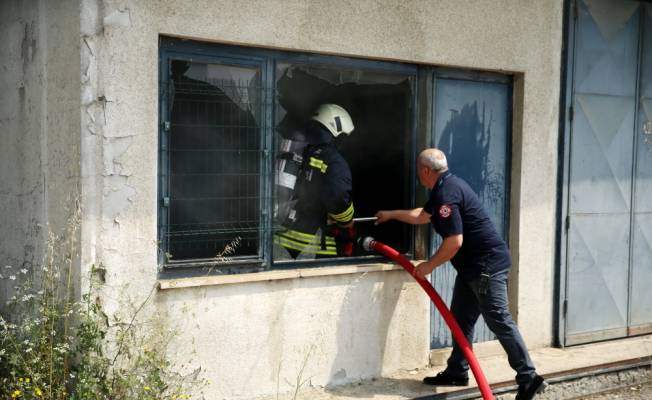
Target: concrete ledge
x=178, y=283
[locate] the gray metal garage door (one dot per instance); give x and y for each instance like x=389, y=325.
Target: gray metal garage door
x=608, y=209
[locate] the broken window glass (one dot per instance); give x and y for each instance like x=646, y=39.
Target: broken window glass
x=378, y=151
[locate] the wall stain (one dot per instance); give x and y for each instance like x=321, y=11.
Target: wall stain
x=28, y=46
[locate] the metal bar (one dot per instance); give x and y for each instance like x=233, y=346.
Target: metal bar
x=326, y=262
x=634, y=170
x=267, y=112
x=473, y=76
x=566, y=189
x=365, y=219
x=203, y=262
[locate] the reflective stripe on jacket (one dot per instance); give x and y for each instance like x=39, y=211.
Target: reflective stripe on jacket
x=305, y=242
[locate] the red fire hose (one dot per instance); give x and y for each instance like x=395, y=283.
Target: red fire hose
x=371, y=244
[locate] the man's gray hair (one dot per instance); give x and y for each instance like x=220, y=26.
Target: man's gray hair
x=435, y=160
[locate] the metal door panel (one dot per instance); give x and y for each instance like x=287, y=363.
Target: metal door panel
x=607, y=45
x=597, y=281
x=641, y=295
x=643, y=174
x=473, y=127
x=601, y=164
x=646, y=58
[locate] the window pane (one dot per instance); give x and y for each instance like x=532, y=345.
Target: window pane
x=473, y=130
x=214, y=156
x=377, y=151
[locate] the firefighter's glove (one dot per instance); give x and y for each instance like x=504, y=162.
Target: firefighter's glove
x=345, y=238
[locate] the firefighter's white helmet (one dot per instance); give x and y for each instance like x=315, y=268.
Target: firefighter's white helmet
x=334, y=118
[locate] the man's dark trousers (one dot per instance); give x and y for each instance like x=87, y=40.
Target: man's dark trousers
x=466, y=306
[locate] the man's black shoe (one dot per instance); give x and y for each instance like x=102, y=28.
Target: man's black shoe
x=527, y=392
x=443, y=379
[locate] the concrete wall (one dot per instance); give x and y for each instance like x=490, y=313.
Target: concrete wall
x=39, y=126
x=252, y=338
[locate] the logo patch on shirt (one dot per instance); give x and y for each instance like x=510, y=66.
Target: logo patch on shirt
x=445, y=211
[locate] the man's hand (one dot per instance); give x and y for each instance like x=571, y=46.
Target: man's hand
x=423, y=269
x=383, y=216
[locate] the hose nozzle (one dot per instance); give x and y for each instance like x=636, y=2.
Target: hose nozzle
x=367, y=243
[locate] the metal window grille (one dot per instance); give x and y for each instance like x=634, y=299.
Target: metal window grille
x=213, y=157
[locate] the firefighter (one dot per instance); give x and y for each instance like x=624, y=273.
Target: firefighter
x=319, y=222
x=472, y=244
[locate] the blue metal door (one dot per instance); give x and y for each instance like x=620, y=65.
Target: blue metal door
x=608, y=222
x=472, y=127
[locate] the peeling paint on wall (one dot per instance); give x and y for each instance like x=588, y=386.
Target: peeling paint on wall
x=90, y=11
x=118, y=18
x=114, y=148
x=108, y=189
x=118, y=196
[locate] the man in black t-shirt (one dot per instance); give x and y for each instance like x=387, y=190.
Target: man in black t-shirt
x=482, y=261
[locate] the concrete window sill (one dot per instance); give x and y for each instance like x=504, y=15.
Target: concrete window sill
x=165, y=284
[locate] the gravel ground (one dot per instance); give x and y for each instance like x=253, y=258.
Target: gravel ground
x=636, y=392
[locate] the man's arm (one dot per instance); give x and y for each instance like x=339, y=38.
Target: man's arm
x=445, y=252
x=416, y=216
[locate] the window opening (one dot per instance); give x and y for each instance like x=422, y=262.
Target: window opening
x=377, y=151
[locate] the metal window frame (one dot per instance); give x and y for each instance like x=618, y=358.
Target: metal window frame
x=267, y=59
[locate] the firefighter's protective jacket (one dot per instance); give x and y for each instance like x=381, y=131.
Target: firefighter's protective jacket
x=323, y=193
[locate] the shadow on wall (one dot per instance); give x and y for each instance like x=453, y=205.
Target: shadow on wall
x=246, y=336
x=362, y=331
x=466, y=140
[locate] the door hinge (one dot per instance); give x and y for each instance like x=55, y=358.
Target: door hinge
x=165, y=202
x=571, y=113
x=567, y=223
x=565, y=308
